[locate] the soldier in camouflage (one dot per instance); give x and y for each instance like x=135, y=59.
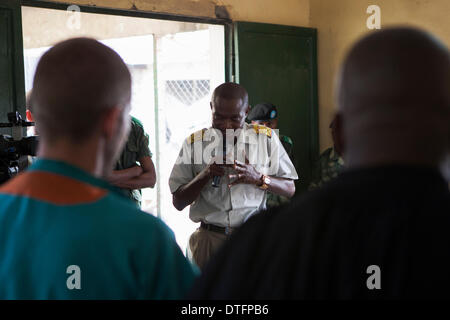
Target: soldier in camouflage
x=266, y=114
x=135, y=169
x=330, y=162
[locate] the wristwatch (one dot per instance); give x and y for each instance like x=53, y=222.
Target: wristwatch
x=265, y=182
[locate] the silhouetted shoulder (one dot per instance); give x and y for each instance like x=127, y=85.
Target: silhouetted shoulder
x=321, y=245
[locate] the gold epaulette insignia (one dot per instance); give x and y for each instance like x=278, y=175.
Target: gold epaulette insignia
x=263, y=130
x=196, y=136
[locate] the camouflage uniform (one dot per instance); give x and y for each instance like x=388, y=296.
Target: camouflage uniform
x=274, y=200
x=328, y=167
x=287, y=144
x=135, y=149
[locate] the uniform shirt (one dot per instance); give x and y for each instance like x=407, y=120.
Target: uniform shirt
x=223, y=206
x=322, y=245
x=135, y=149
x=328, y=167
x=54, y=216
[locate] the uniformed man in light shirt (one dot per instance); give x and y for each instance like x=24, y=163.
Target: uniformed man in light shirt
x=224, y=186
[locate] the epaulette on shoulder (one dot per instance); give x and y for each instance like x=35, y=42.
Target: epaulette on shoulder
x=196, y=136
x=262, y=130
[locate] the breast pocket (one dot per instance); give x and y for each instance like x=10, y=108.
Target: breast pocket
x=246, y=196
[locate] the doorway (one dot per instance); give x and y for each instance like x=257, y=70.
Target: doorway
x=174, y=66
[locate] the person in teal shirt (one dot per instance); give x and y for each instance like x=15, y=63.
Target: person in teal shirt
x=66, y=233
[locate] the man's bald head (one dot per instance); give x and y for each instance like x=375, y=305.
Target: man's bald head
x=76, y=81
x=229, y=106
x=394, y=97
x=230, y=91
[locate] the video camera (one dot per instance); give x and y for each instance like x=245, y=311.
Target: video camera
x=12, y=148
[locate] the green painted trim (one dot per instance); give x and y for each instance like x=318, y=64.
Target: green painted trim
x=315, y=149
x=157, y=145
x=17, y=61
x=229, y=67
x=236, y=31
x=274, y=28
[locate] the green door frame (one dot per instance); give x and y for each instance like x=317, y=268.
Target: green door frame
x=15, y=70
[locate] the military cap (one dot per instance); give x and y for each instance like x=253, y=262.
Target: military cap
x=263, y=112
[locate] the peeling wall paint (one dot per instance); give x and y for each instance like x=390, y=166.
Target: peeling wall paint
x=287, y=12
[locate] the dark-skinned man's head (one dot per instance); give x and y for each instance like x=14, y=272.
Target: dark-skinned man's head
x=81, y=93
x=394, y=99
x=335, y=135
x=229, y=106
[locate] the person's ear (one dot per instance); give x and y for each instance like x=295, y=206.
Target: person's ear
x=274, y=123
x=111, y=121
x=210, y=104
x=247, y=110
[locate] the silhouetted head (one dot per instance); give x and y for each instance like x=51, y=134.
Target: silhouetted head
x=394, y=99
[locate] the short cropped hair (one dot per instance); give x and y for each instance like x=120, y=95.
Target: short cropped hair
x=75, y=82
